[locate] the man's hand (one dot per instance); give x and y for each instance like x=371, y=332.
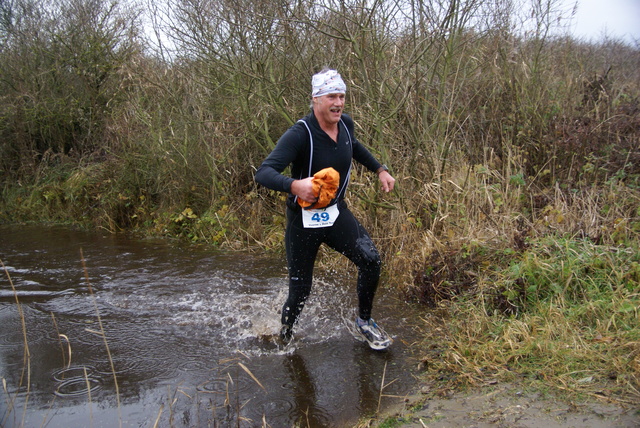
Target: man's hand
x=303, y=189
x=388, y=182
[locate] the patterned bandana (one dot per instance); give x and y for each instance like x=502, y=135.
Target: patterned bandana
x=328, y=82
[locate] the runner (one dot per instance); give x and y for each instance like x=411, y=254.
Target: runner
x=324, y=139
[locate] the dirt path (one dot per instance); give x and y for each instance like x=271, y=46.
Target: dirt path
x=508, y=406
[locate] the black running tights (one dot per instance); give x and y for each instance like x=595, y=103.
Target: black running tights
x=348, y=237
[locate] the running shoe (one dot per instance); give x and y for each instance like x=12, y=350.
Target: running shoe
x=286, y=334
x=372, y=333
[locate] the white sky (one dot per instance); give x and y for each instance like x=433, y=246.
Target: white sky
x=596, y=19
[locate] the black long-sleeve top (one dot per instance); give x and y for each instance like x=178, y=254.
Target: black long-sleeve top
x=293, y=149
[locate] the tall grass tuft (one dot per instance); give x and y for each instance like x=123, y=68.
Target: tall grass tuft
x=561, y=315
x=24, y=384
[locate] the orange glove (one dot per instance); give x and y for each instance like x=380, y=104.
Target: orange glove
x=325, y=185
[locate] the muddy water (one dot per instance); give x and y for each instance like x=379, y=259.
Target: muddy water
x=181, y=336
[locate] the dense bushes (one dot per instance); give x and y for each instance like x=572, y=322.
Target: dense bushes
x=59, y=78
x=478, y=120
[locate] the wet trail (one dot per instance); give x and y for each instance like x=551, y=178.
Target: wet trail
x=191, y=337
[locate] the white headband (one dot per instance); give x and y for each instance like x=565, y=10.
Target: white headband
x=328, y=82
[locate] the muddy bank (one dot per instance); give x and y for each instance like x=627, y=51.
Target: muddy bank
x=507, y=405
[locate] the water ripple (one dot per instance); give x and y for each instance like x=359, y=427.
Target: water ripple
x=76, y=381
x=232, y=384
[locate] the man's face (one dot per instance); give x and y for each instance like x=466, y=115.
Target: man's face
x=328, y=108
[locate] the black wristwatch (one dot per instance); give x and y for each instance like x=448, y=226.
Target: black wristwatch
x=382, y=168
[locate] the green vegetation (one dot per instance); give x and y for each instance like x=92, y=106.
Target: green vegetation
x=392, y=422
x=517, y=156
x=561, y=313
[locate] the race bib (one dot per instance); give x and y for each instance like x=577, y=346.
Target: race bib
x=321, y=217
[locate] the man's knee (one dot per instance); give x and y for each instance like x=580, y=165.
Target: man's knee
x=368, y=251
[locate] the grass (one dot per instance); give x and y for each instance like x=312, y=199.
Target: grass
x=25, y=376
x=561, y=315
x=543, y=293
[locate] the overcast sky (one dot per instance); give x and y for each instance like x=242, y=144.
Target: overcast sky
x=614, y=18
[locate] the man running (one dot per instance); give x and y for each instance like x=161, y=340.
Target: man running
x=324, y=139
